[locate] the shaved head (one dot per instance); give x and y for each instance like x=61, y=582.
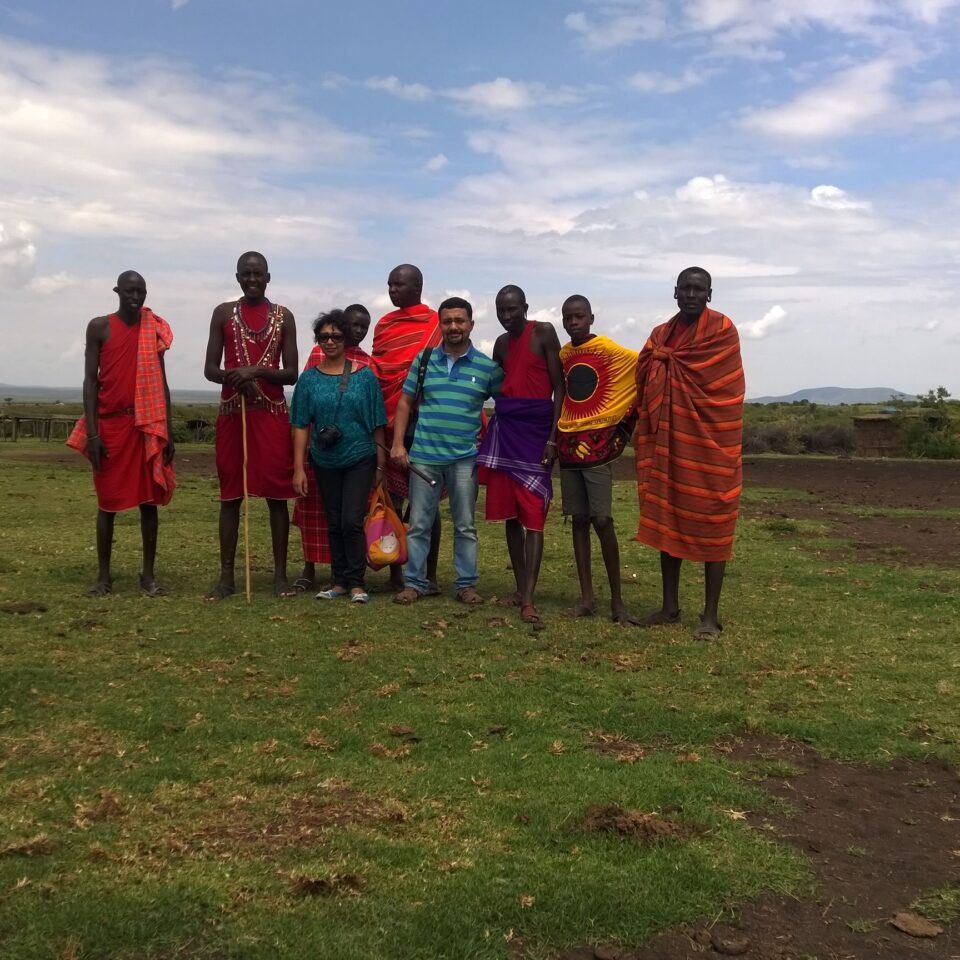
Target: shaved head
x=255, y=255
x=128, y=275
x=405, y=285
x=685, y=273
x=514, y=289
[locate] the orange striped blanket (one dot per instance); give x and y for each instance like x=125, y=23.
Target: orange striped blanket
x=690, y=392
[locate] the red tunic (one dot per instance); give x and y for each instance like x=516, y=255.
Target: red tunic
x=253, y=336
x=526, y=376
x=125, y=479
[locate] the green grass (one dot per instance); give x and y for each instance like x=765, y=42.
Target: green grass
x=303, y=780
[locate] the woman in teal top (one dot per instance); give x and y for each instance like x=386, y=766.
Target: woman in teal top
x=344, y=407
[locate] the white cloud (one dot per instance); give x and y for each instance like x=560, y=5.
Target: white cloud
x=178, y=4
x=758, y=329
x=405, y=91
x=436, y=163
x=833, y=198
x=51, y=284
x=503, y=94
x=860, y=99
x=654, y=82
x=18, y=254
x=619, y=24
x=849, y=100
x=180, y=154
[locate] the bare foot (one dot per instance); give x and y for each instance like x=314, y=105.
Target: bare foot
x=221, y=590
x=102, y=588
x=583, y=609
x=152, y=587
x=659, y=618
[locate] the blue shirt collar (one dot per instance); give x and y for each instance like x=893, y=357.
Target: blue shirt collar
x=472, y=351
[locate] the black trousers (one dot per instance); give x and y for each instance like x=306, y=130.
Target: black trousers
x=346, y=493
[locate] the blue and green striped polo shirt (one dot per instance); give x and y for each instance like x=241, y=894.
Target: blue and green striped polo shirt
x=454, y=391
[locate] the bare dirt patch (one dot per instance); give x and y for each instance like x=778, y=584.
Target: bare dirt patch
x=635, y=824
x=877, y=838
x=918, y=484
x=247, y=826
x=921, y=539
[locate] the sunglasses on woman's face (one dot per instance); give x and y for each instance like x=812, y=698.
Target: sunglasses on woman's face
x=330, y=338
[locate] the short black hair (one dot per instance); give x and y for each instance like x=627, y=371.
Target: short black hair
x=513, y=288
x=356, y=308
x=333, y=318
x=699, y=270
x=131, y=273
x=454, y=303
x=252, y=253
x=577, y=298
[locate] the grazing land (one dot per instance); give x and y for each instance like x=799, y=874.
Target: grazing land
x=301, y=779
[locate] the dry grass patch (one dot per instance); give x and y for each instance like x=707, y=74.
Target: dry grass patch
x=39, y=846
x=616, y=746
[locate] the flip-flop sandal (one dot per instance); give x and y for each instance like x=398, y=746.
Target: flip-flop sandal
x=433, y=590
x=529, y=615
x=469, y=596
x=406, y=596
x=359, y=597
x=301, y=585
x=154, y=589
x=658, y=619
x=704, y=632
x=331, y=594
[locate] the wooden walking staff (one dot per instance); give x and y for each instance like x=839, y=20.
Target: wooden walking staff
x=246, y=496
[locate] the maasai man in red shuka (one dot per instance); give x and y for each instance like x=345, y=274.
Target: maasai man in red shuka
x=520, y=446
x=308, y=512
x=690, y=391
x=126, y=430
x=397, y=338
x=257, y=342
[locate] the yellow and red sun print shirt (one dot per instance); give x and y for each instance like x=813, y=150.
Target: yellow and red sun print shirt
x=598, y=412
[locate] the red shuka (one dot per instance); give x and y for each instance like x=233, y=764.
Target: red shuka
x=397, y=338
x=131, y=416
x=690, y=390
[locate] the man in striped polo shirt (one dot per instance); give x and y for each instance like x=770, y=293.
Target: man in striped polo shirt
x=458, y=380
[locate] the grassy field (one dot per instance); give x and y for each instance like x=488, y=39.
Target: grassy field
x=299, y=780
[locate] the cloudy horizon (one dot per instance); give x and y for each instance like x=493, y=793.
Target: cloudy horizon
x=805, y=154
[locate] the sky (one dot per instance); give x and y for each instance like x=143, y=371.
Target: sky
x=806, y=153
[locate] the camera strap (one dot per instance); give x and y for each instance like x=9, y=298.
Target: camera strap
x=344, y=383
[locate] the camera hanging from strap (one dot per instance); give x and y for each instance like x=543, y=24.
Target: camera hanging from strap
x=344, y=383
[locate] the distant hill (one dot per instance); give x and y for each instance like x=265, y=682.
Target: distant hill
x=75, y=395
x=835, y=395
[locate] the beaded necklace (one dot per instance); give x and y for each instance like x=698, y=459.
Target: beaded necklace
x=271, y=334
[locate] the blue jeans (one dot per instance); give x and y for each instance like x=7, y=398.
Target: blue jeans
x=460, y=479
